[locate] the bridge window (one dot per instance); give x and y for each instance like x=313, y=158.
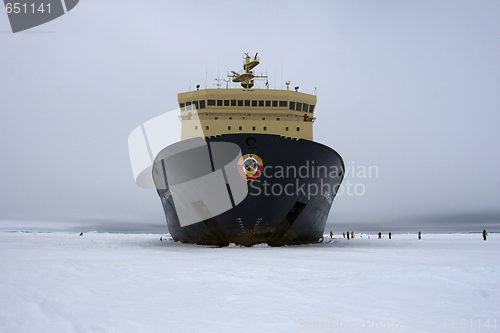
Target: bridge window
x=195, y=103
x=219, y=102
x=286, y=129
x=241, y=128
x=254, y=103
x=253, y=128
x=202, y=104
x=305, y=107
x=268, y=103
x=247, y=102
x=188, y=105
x=233, y=102
x=261, y=103
x=299, y=106
x=292, y=105
x=196, y=127
x=240, y=102
x=207, y=127
x=265, y=128
x=311, y=108
x=298, y=129
x=229, y=128
x=275, y=103
x=283, y=104
x=211, y=102
x=183, y=106
x=226, y=102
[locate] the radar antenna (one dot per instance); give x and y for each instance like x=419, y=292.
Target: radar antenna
x=246, y=76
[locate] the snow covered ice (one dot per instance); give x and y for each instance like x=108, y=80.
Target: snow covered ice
x=60, y=282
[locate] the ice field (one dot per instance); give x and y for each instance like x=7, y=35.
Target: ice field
x=61, y=282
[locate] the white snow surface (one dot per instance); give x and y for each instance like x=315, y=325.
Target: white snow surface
x=61, y=282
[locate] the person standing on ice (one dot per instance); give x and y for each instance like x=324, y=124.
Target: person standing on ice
x=343, y=234
x=331, y=234
x=379, y=235
x=352, y=234
x=484, y=234
x=419, y=235
x=389, y=235
x=348, y=235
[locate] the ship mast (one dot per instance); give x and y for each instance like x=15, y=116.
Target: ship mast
x=246, y=76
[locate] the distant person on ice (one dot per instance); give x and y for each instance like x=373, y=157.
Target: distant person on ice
x=379, y=235
x=419, y=235
x=348, y=235
x=389, y=235
x=343, y=234
x=352, y=234
x=484, y=234
x=331, y=234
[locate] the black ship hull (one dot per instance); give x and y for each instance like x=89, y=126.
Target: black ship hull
x=287, y=204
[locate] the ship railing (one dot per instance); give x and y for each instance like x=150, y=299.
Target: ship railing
x=246, y=117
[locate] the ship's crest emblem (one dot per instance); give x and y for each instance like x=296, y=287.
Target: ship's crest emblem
x=250, y=166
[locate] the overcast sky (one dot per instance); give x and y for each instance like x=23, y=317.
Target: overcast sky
x=409, y=87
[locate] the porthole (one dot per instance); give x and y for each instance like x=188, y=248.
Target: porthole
x=251, y=142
